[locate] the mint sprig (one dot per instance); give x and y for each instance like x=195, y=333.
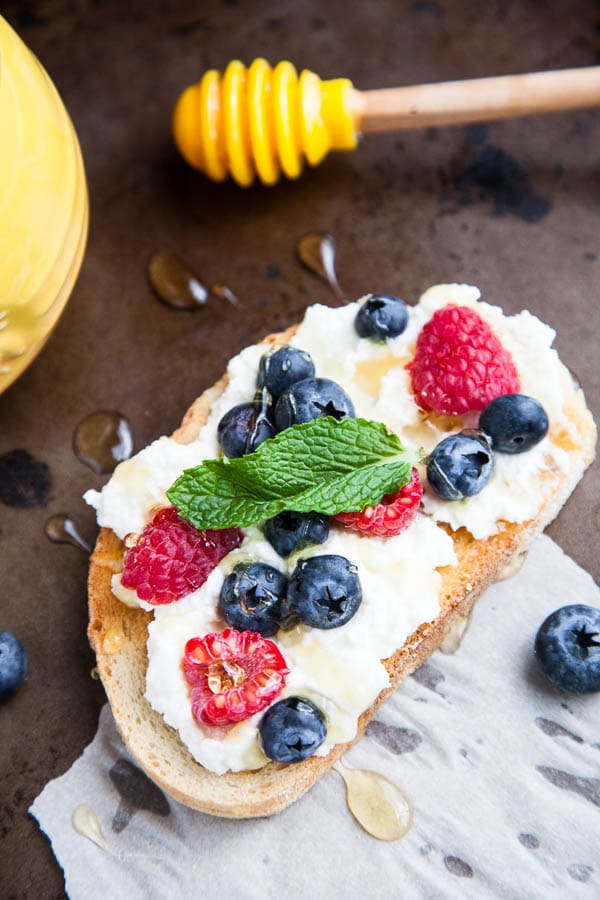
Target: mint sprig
x=321, y=466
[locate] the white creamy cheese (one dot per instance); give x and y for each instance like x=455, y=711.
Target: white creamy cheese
x=340, y=668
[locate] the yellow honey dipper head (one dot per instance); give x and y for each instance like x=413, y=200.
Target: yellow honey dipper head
x=260, y=121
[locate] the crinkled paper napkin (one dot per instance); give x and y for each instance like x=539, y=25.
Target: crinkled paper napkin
x=503, y=771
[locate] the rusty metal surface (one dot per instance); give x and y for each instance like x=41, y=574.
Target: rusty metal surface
x=514, y=208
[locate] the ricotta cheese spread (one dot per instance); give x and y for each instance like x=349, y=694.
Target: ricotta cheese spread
x=340, y=669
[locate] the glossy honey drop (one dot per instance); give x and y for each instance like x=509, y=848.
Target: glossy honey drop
x=175, y=282
x=113, y=641
x=86, y=823
x=316, y=251
x=377, y=804
x=60, y=529
x=102, y=440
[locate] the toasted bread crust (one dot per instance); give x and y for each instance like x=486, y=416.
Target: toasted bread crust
x=157, y=748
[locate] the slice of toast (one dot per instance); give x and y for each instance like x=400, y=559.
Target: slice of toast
x=157, y=748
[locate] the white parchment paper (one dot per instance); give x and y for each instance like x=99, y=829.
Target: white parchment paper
x=503, y=770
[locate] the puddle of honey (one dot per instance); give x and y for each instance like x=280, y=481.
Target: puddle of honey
x=113, y=640
x=316, y=252
x=369, y=372
x=86, y=823
x=60, y=529
x=377, y=804
x=175, y=283
x=513, y=566
x=454, y=636
x=102, y=440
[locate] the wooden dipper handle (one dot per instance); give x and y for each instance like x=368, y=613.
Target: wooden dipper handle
x=476, y=100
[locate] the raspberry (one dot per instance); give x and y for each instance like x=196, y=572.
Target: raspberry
x=459, y=364
x=391, y=516
x=172, y=558
x=232, y=675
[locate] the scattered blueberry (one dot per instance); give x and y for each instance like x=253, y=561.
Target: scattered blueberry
x=242, y=429
x=13, y=664
x=381, y=317
x=290, y=531
x=514, y=422
x=460, y=466
x=567, y=647
x=280, y=370
x=253, y=598
x=325, y=591
x=292, y=729
x=312, y=398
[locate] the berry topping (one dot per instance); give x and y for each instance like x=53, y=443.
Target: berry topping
x=312, y=398
x=391, y=516
x=13, y=664
x=232, y=675
x=325, y=591
x=243, y=428
x=291, y=531
x=292, y=729
x=460, y=466
x=172, y=558
x=280, y=370
x=253, y=598
x=381, y=317
x=514, y=423
x=460, y=365
x=567, y=647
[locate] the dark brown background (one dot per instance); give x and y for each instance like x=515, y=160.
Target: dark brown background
x=514, y=208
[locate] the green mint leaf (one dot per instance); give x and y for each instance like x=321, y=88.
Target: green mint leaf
x=321, y=466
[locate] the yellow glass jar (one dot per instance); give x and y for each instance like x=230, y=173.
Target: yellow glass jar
x=43, y=206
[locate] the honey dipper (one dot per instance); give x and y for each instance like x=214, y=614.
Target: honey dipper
x=261, y=121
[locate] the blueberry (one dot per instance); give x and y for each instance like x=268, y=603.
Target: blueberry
x=290, y=531
x=325, y=591
x=243, y=428
x=381, y=317
x=567, y=647
x=310, y=399
x=460, y=466
x=292, y=729
x=514, y=422
x=253, y=598
x=13, y=663
x=280, y=370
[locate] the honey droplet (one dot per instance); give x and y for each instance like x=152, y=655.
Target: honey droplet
x=377, y=804
x=175, y=283
x=223, y=292
x=102, y=440
x=86, y=823
x=60, y=529
x=514, y=565
x=316, y=251
x=113, y=640
x=455, y=634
